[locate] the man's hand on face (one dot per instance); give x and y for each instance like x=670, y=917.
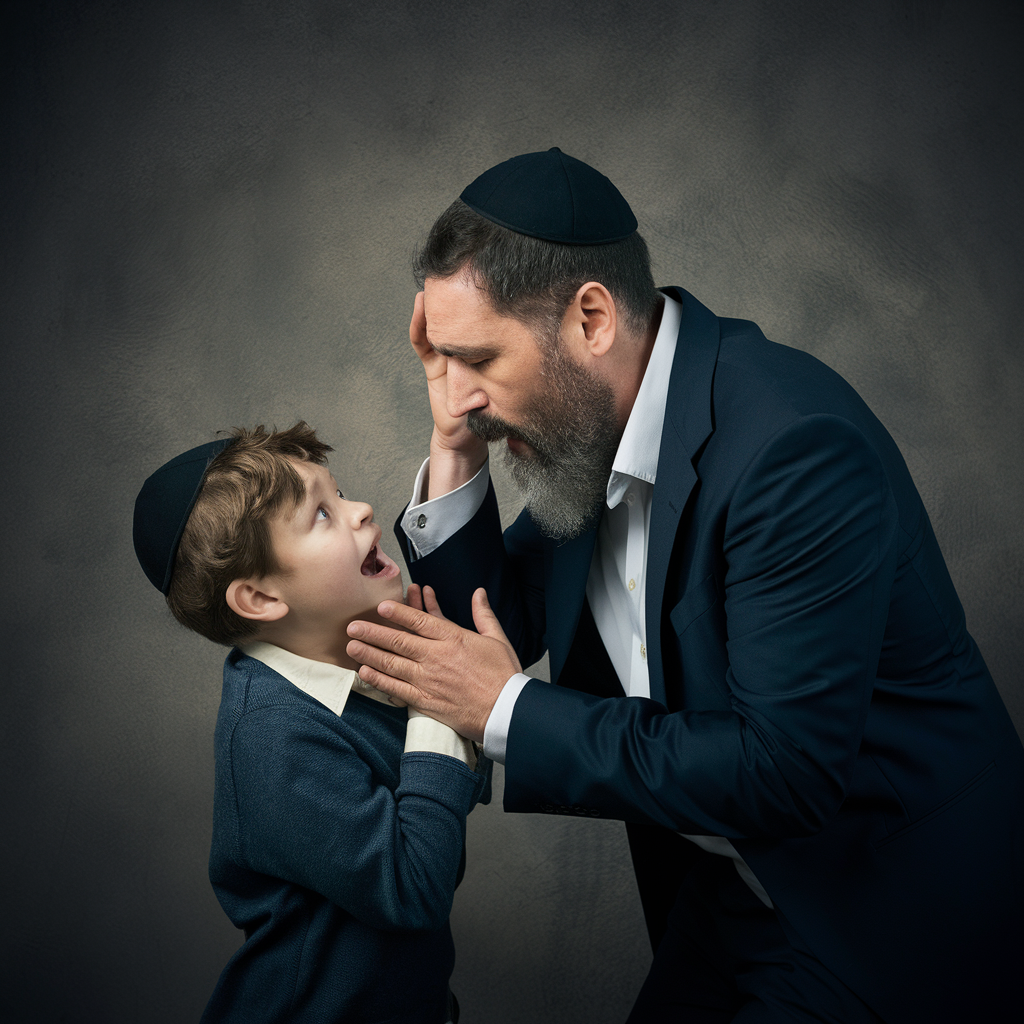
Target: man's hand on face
x=449, y=673
x=455, y=452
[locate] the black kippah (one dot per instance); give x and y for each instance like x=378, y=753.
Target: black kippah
x=163, y=507
x=554, y=197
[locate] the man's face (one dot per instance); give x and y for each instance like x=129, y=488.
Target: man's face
x=557, y=417
x=328, y=550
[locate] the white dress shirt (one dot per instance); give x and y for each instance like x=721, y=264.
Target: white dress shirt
x=617, y=584
x=331, y=685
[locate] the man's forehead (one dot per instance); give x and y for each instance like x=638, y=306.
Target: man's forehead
x=455, y=299
x=461, y=320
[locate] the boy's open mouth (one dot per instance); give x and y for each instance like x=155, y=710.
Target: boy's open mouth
x=377, y=564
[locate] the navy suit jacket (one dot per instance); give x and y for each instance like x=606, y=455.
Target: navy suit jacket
x=815, y=695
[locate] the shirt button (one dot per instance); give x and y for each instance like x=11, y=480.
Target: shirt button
x=421, y=520
x=643, y=652
x=632, y=584
x=630, y=498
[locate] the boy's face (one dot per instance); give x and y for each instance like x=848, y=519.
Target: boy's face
x=328, y=548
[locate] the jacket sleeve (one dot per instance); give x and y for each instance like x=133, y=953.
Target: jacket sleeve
x=809, y=548
x=312, y=811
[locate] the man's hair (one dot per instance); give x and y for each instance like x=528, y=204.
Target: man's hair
x=533, y=280
x=227, y=536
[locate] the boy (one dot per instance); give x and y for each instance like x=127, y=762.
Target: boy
x=338, y=833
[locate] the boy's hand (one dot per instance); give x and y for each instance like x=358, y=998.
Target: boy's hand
x=456, y=454
x=450, y=673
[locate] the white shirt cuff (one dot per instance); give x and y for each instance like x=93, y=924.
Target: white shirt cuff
x=428, y=524
x=496, y=730
x=426, y=733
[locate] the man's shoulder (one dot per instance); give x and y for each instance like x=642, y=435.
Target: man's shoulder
x=743, y=365
x=759, y=388
x=760, y=374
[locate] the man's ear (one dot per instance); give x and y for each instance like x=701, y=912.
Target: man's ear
x=246, y=598
x=593, y=315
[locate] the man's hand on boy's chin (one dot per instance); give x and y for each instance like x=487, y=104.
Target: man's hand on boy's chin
x=449, y=673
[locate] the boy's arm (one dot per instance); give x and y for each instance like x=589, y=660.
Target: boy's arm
x=315, y=808
x=424, y=733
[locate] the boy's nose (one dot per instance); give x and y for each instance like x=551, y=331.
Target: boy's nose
x=359, y=513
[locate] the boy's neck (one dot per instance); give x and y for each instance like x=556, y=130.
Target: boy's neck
x=316, y=646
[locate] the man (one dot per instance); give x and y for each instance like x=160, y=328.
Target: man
x=762, y=664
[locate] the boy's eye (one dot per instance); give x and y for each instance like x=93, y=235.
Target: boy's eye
x=321, y=512
x=340, y=495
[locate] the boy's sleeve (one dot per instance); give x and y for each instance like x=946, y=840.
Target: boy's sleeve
x=426, y=733
x=314, y=811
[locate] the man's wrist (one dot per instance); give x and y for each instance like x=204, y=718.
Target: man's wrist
x=428, y=523
x=450, y=468
x=496, y=730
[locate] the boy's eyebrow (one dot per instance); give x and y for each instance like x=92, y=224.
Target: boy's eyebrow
x=313, y=495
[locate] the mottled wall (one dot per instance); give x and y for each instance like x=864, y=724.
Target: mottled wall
x=209, y=209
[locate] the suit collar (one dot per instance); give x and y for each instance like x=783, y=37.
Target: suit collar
x=637, y=454
x=693, y=370
x=689, y=421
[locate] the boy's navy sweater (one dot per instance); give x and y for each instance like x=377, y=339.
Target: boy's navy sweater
x=337, y=853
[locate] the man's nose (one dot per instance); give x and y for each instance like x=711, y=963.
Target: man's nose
x=464, y=392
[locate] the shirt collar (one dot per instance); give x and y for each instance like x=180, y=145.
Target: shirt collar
x=326, y=683
x=637, y=455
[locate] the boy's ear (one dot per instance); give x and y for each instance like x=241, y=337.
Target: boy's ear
x=245, y=598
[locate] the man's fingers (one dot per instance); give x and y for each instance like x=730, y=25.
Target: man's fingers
x=430, y=603
x=421, y=623
x=400, y=692
x=487, y=624
x=399, y=641
x=390, y=664
x=418, y=329
x=484, y=619
x=414, y=597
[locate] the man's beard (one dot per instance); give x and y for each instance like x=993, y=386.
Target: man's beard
x=570, y=425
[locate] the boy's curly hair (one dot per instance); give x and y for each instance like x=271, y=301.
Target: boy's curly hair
x=227, y=536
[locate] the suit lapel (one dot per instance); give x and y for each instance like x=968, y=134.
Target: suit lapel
x=564, y=593
x=688, y=423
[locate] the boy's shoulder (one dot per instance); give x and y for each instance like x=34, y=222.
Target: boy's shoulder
x=255, y=692
x=251, y=686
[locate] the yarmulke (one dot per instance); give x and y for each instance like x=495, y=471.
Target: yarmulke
x=554, y=197
x=163, y=507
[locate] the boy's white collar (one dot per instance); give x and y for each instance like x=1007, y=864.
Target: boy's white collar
x=326, y=683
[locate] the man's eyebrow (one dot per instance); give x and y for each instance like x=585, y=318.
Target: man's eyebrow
x=462, y=352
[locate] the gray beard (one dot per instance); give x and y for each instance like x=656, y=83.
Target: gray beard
x=571, y=428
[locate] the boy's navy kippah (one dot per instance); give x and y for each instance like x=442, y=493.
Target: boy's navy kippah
x=554, y=197
x=163, y=507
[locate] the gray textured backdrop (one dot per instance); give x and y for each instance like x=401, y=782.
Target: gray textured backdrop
x=209, y=209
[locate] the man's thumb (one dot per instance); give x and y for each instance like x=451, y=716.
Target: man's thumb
x=484, y=619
